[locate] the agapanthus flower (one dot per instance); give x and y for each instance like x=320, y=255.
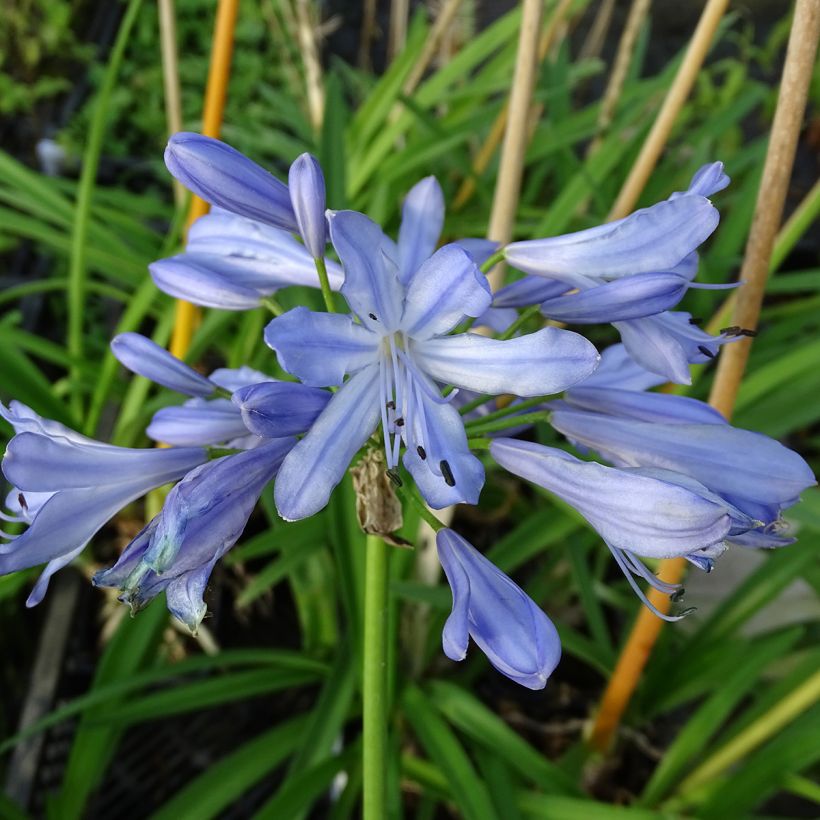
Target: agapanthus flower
x=638, y=513
x=517, y=637
x=202, y=518
x=66, y=486
x=394, y=348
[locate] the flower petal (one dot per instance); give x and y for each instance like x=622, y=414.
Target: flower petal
x=222, y=176
x=144, y=357
x=529, y=290
x=446, y=287
x=306, y=184
x=632, y=297
x=320, y=348
x=422, y=218
x=193, y=279
x=652, y=239
x=644, y=515
x=275, y=409
x=197, y=424
x=455, y=637
x=319, y=461
x=533, y=365
x=619, y=370
x=371, y=286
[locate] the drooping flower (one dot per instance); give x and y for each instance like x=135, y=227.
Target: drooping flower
x=395, y=350
x=66, y=486
x=202, y=518
x=517, y=637
x=649, y=513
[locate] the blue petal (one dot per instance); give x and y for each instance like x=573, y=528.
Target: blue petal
x=746, y=468
x=318, y=462
x=222, y=176
x=530, y=290
x=40, y=464
x=652, y=239
x=422, y=218
x=142, y=356
x=234, y=378
x=512, y=631
x=533, y=365
x=633, y=404
x=193, y=279
x=371, y=285
x=320, y=348
x=480, y=250
x=275, y=409
x=619, y=369
x=637, y=513
x=184, y=595
x=708, y=180
x=197, y=424
x=307, y=196
x=446, y=287
x=644, y=294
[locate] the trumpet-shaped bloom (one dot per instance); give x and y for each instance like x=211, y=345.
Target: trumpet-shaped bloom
x=395, y=351
x=519, y=640
x=307, y=197
x=75, y=485
x=201, y=520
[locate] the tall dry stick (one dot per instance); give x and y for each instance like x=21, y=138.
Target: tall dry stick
x=397, y=35
x=508, y=184
x=307, y=31
x=768, y=212
x=594, y=41
x=170, y=78
x=675, y=98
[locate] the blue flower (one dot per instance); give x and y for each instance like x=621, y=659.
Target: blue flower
x=66, y=486
x=519, y=640
x=307, y=196
x=202, y=518
x=395, y=351
x=650, y=513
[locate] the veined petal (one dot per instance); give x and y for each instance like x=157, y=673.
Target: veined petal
x=422, y=218
x=145, y=358
x=222, y=176
x=184, y=595
x=320, y=348
x=275, y=409
x=637, y=513
x=632, y=297
x=41, y=464
x=371, y=286
x=634, y=404
x=480, y=250
x=307, y=197
x=40, y=587
x=444, y=289
x=318, y=462
x=512, y=631
x=186, y=277
x=530, y=290
x=234, y=378
x=708, y=180
x=652, y=239
x=197, y=424
x=539, y=363
x=619, y=370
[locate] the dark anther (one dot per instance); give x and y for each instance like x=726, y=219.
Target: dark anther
x=399, y=422
x=677, y=595
x=745, y=331
x=688, y=611
x=447, y=473
x=422, y=454
x=373, y=317
x=732, y=330
x=695, y=320
x=706, y=352
x=21, y=500
x=393, y=475
x=391, y=405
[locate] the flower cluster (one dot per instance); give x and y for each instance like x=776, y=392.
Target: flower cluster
x=679, y=480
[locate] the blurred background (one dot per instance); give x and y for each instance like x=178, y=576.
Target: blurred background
x=257, y=715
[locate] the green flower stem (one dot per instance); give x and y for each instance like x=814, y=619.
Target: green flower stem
x=505, y=411
x=272, y=305
x=411, y=494
x=497, y=257
x=509, y=421
x=374, y=681
x=525, y=316
x=324, y=282
x=476, y=402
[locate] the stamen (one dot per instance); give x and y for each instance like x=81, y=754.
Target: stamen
x=641, y=569
x=677, y=595
x=21, y=500
x=390, y=405
x=12, y=519
x=7, y=536
x=373, y=317
x=393, y=475
x=447, y=473
x=706, y=352
x=384, y=405
x=422, y=382
x=422, y=454
x=399, y=422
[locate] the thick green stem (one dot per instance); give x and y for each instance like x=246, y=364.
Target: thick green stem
x=324, y=282
x=492, y=261
x=510, y=409
x=374, y=681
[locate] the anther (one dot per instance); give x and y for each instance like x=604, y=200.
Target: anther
x=373, y=317
x=422, y=454
x=447, y=473
x=745, y=331
x=393, y=475
x=399, y=422
x=695, y=320
x=21, y=500
x=688, y=611
x=677, y=595
x=391, y=405
x=732, y=330
x=706, y=352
